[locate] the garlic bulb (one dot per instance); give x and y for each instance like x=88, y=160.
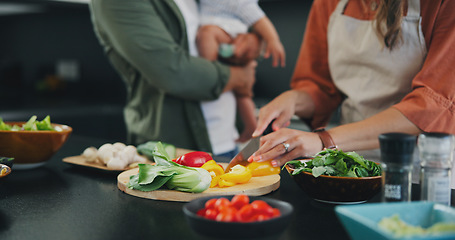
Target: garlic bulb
x=106, y=152
x=117, y=156
x=90, y=154
x=116, y=163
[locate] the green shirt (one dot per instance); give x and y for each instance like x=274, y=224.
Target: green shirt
x=146, y=42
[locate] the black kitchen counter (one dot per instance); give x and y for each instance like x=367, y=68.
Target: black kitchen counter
x=63, y=201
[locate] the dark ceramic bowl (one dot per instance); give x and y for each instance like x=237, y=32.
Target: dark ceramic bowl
x=32, y=148
x=338, y=190
x=237, y=230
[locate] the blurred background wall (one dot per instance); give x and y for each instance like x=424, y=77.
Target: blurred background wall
x=51, y=63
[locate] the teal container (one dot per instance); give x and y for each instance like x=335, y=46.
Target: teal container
x=361, y=221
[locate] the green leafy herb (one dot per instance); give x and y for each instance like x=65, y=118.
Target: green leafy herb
x=334, y=162
x=31, y=125
x=169, y=174
x=45, y=124
x=4, y=126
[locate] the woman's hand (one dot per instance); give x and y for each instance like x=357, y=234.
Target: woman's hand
x=282, y=108
x=285, y=145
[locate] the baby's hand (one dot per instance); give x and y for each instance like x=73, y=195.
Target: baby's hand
x=276, y=49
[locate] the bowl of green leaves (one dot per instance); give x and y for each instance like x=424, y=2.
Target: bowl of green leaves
x=334, y=176
x=31, y=143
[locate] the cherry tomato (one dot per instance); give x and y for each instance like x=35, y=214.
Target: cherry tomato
x=240, y=200
x=194, y=159
x=222, y=203
x=201, y=212
x=261, y=207
x=210, y=203
x=227, y=214
x=260, y=217
x=276, y=212
x=238, y=210
x=245, y=213
x=211, y=213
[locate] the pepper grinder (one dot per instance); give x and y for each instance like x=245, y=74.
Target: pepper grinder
x=436, y=156
x=397, y=155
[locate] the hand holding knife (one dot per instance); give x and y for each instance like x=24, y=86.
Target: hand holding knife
x=251, y=147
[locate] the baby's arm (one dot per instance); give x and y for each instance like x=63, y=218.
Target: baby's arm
x=266, y=30
x=247, y=111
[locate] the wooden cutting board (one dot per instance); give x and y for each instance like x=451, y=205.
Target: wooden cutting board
x=257, y=186
x=81, y=161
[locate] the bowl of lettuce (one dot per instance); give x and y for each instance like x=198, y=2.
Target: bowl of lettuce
x=334, y=176
x=31, y=143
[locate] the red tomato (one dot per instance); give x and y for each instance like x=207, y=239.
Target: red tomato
x=260, y=217
x=194, y=159
x=210, y=203
x=245, y=213
x=261, y=207
x=211, y=213
x=240, y=200
x=222, y=203
x=201, y=212
x=276, y=212
x=238, y=210
x=227, y=214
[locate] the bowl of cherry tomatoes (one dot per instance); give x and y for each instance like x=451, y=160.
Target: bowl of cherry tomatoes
x=238, y=216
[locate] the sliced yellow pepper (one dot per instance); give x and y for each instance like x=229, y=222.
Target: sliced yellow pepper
x=224, y=183
x=212, y=166
x=215, y=181
x=215, y=171
x=237, y=174
x=263, y=169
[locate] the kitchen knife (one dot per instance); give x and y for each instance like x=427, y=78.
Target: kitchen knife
x=251, y=147
x=242, y=157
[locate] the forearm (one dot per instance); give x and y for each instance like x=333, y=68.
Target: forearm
x=363, y=135
x=151, y=50
x=304, y=104
x=266, y=30
x=246, y=108
x=241, y=80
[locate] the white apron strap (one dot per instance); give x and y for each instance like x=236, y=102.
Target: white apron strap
x=413, y=9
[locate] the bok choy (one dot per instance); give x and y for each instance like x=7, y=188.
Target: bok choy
x=169, y=174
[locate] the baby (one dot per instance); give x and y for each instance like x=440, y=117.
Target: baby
x=221, y=21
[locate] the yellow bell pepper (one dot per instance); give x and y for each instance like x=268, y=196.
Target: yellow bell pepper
x=238, y=174
x=263, y=169
x=215, y=171
x=215, y=181
x=223, y=183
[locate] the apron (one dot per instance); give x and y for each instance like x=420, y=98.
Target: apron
x=372, y=77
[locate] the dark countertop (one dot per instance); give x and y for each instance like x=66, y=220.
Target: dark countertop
x=62, y=201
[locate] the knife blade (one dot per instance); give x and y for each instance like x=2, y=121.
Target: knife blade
x=251, y=147
x=242, y=157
